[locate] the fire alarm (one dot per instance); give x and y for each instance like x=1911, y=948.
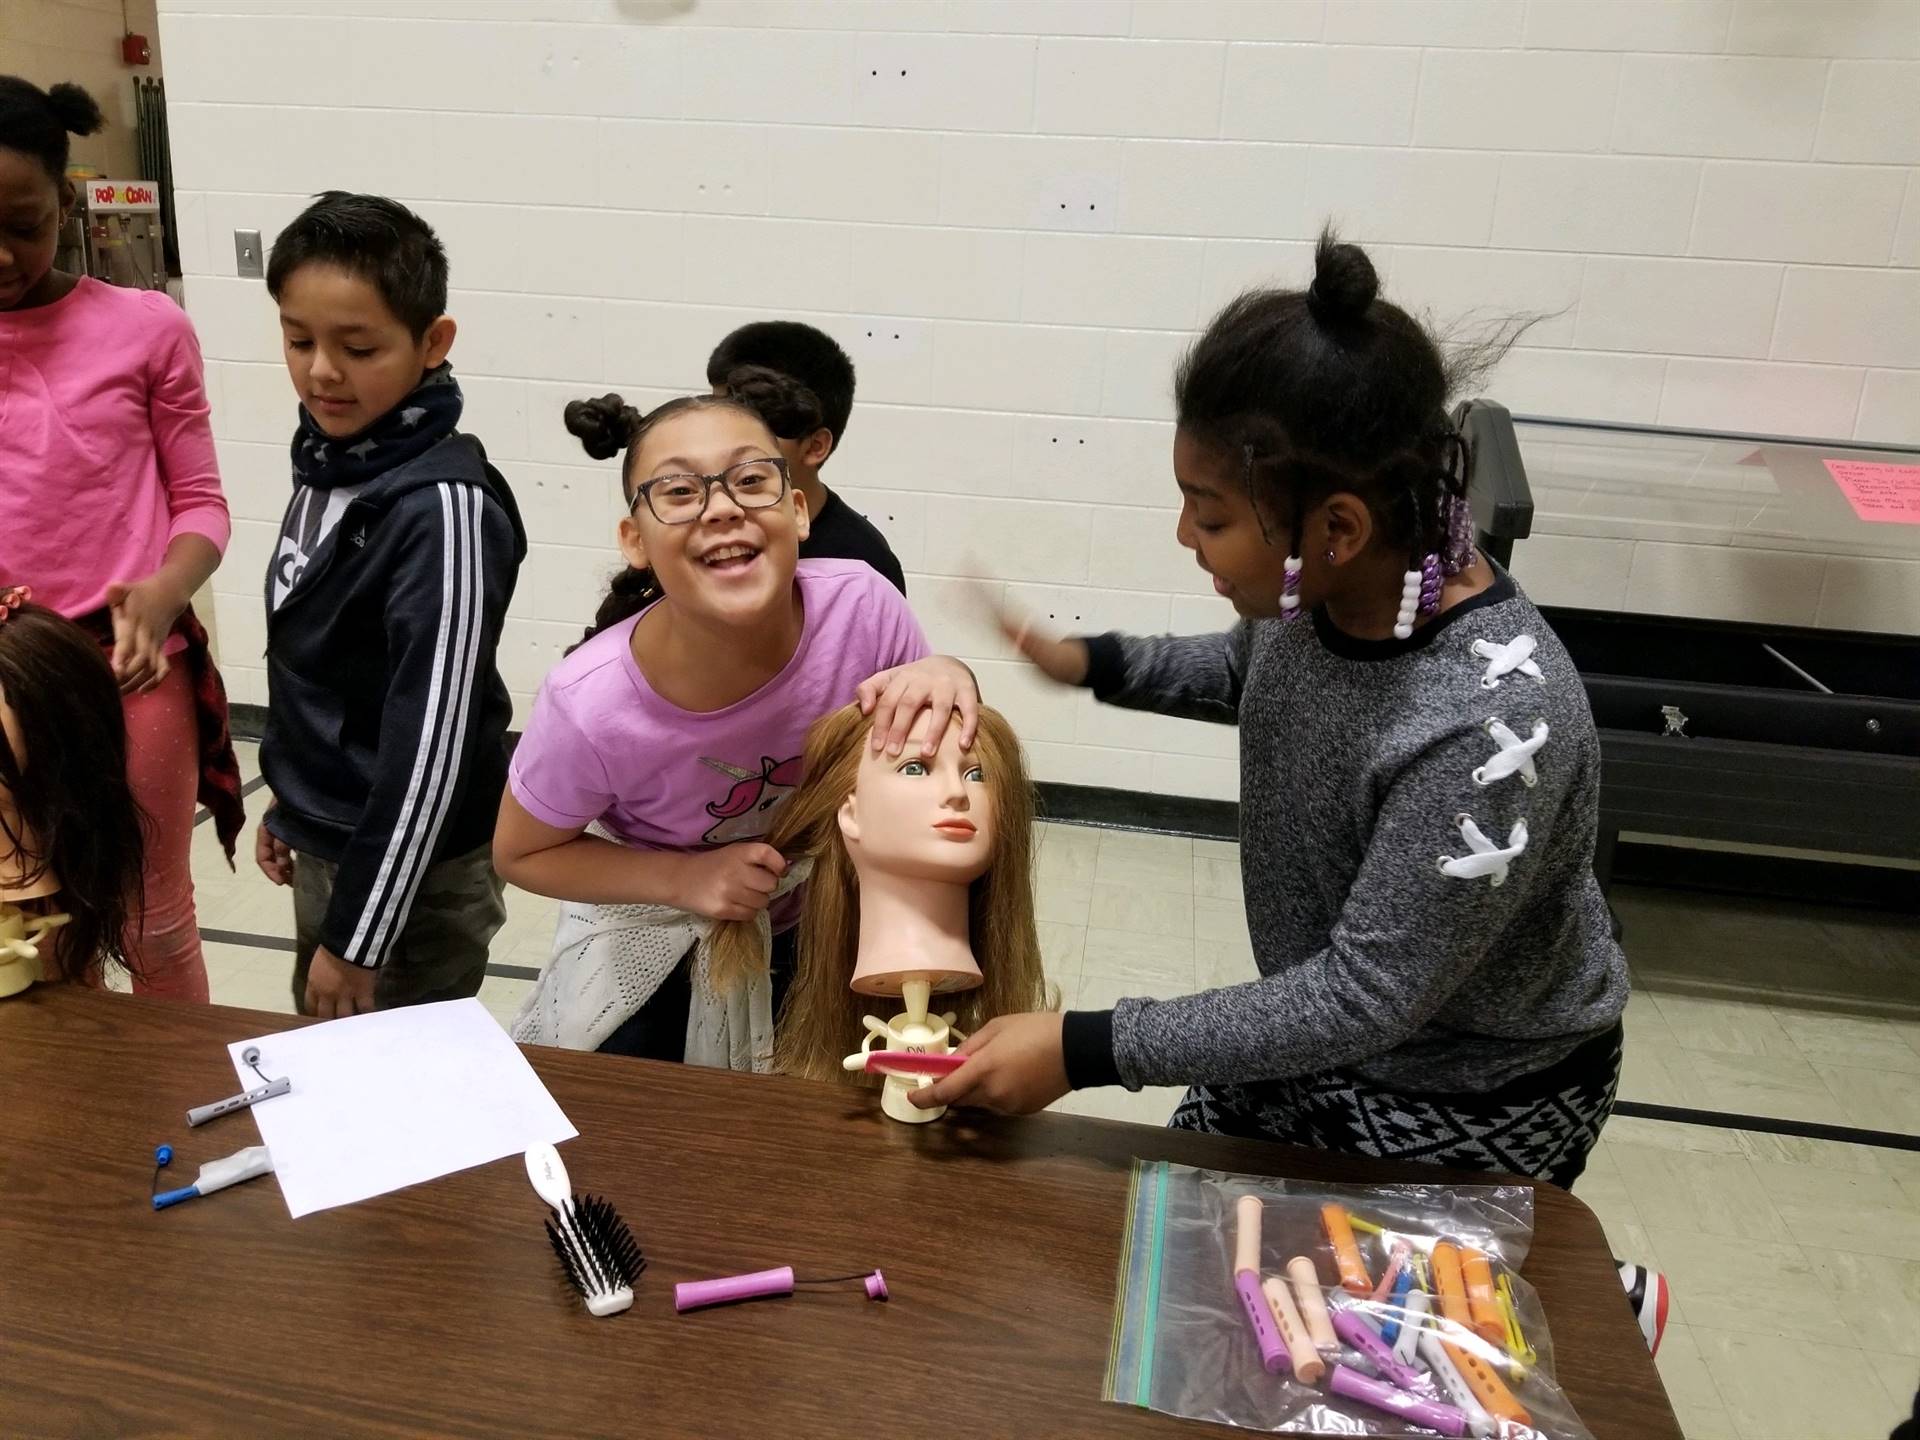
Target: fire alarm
x=135, y=50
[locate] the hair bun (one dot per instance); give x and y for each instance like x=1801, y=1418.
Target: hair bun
x=792, y=411
x=605, y=425
x=1345, y=283
x=75, y=109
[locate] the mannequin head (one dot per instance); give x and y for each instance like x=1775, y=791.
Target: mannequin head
x=918, y=832
x=918, y=818
x=855, y=812
x=67, y=818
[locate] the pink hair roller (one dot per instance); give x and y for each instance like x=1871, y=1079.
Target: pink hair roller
x=730, y=1289
x=1312, y=1302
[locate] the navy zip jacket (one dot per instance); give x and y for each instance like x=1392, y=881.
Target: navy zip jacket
x=387, y=717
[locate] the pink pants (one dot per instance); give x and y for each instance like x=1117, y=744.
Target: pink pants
x=163, y=768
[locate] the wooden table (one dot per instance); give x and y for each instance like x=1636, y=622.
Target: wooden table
x=438, y=1310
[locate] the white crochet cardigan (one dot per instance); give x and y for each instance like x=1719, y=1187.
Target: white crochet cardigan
x=608, y=960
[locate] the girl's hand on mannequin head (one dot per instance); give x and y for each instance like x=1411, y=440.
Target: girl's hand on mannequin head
x=1015, y=1064
x=894, y=698
x=735, y=882
x=143, y=615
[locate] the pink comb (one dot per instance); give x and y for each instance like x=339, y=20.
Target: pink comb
x=912, y=1062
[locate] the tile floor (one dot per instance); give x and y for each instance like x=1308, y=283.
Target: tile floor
x=1795, y=1263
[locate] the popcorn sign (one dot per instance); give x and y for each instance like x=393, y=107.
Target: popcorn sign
x=122, y=195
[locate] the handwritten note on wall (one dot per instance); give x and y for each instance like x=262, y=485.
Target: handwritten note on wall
x=1878, y=491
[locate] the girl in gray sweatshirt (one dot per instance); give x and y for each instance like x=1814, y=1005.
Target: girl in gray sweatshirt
x=1419, y=782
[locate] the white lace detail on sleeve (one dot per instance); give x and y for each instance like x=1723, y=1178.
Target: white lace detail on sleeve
x=1514, y=755
x=1503, y=660
x=1484, y=857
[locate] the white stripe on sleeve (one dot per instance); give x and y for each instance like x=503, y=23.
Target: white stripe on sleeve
x=429, y=793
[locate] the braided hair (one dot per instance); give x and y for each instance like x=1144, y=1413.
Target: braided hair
x=1310, y=392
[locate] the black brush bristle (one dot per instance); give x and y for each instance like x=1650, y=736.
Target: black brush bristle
x=610, y=1239
x=604, y=1256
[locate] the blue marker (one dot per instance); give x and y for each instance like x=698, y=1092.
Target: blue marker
x=218, y=1174
x=1396, y=1304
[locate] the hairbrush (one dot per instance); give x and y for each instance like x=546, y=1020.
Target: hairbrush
x=597, y=1251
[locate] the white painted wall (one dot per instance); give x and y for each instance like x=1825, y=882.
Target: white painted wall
x=1015, y=212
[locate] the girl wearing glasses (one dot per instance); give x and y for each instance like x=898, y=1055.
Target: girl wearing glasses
x=660, y=747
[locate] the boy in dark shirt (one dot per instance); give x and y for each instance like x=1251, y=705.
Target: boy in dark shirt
x=808, y=415
x=385, y=601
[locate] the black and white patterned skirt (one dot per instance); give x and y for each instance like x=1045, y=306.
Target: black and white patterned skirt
x=1540, y=1125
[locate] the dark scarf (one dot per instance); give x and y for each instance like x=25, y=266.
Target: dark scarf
x=410, y=429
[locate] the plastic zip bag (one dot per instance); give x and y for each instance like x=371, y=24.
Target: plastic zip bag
x=1460, y=1346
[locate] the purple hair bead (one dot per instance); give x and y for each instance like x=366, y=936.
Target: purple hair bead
x=1430, y=580
x=1459, y=527
x=1290, y=589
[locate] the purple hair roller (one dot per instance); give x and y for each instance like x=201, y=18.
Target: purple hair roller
x=697, y=1294
x=729, y=1289
x=1353, y=1328
x=1382, y=1396
x=1273, y=1351
x=1247, y=1212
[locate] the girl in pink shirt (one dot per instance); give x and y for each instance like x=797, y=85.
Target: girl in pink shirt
x=110, y=505
x=676, y=729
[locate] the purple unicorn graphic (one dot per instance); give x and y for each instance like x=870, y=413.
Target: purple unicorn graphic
x=748, y=809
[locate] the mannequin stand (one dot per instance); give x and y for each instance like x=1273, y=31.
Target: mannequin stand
x=915, y=1030
x=20, y=937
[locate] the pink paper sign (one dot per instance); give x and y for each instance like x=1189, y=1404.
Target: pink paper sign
x=1877, y=491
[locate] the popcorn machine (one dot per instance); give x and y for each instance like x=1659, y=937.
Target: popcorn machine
x=115, y=234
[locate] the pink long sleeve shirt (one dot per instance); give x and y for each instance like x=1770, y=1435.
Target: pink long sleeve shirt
x=106, y=453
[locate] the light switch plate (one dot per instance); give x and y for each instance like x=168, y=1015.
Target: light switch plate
x=248, y=259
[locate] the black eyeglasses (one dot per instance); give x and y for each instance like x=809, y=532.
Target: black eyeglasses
x=682, y=499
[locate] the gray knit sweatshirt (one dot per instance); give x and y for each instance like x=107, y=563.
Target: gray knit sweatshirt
x=1388, y=944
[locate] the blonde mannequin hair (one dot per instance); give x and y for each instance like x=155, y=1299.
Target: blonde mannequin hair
x=820, y=1021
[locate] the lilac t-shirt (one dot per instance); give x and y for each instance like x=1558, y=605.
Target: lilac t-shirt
x=603, y=745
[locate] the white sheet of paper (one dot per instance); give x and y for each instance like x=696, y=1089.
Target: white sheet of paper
x=391, y=1099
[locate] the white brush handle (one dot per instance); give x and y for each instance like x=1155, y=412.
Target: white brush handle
x=549, y=1177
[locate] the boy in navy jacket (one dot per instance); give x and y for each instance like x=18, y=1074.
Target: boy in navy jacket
x=385, y=599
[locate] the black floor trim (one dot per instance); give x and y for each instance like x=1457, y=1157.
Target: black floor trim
x=247, y=722
x=242, y=937
x=286, y=947
x=513, y=972
x=1804, y=1130
x=1135, y=810
x=1778, y=877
